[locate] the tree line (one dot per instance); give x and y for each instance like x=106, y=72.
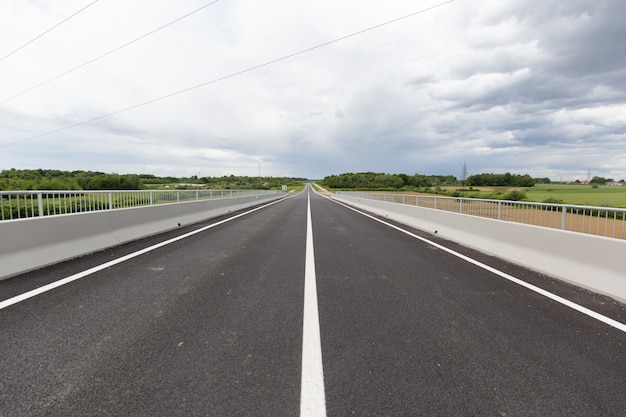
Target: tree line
x=382, y=181
x=49, y=179
x=500, y=180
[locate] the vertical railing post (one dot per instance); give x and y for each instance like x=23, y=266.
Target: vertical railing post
x=461, y=205
x=499, y=210
x=40, y=204
x=563, y=218
x=110, y=200
x=151, y=198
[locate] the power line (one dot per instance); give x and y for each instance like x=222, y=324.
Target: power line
x=107, y=53
x=225, y=77
x=52, y=28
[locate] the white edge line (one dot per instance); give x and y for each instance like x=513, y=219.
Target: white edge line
x=312, y=394
x=30, y=294
x=584, y=310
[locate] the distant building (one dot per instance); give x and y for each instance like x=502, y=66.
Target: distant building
x=199, y=186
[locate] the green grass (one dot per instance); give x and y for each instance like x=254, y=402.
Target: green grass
x=575, y=194
x=578, y=194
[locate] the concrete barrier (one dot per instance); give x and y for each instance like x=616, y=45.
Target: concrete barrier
x=30, y=244
x=592, y=262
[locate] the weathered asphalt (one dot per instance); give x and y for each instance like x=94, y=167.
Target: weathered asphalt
x=212, y=326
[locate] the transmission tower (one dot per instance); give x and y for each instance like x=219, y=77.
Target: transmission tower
x=464, y=174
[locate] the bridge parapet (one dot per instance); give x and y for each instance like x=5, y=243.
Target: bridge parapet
x=590, y=261
x=15, y=205
x=30, y=243
x=600, y=221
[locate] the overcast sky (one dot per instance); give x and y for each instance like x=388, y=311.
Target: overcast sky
x=520, y=86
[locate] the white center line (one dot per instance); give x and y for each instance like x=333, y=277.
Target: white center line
x=312, y=396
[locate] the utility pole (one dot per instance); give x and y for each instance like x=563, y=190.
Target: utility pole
x=464, y=175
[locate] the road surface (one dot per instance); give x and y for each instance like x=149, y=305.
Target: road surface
x=209, y=320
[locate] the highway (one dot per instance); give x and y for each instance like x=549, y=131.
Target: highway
x=303, y=307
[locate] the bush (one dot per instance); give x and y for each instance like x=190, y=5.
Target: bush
x=552, y=200
x=515, y=195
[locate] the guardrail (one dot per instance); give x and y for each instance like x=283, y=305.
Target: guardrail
x=27, y=204
x=32, y=243
x=601, y=221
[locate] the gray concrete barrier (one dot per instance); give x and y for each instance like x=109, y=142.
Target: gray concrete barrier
x=30, y=244
x=592, y=262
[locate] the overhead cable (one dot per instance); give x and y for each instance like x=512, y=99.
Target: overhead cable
x=106, y=53
x=47, y=31
x=225, y=77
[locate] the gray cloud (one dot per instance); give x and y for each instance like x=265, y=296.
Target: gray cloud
x=524, y=86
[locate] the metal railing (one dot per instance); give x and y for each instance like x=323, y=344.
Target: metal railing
x=16, y=205
x=601, y=221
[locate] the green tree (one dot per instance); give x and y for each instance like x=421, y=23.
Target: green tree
x=500, y=180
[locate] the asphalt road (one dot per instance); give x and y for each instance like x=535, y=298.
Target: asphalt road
x=212, y=325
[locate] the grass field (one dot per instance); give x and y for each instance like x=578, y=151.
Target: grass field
x=578, y=194
x=613, y=196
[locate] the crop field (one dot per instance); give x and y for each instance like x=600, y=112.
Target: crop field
x=603, y=196
x=578, y=194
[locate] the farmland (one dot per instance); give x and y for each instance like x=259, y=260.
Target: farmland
x=604, y=196
x=578, y=194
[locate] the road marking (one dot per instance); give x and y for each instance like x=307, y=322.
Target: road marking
x=312, y=396
x=30, y=294
x=554, y=297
